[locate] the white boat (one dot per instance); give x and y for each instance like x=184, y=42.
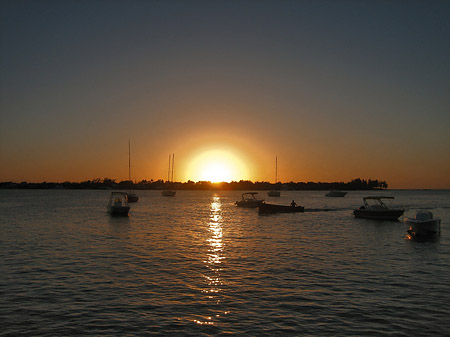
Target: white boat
x=275, y=193
x=423, y=224
x=249, y=200
x=375, y=208
x=118, y=203
x=132, y=197
x=335, y=194
x=170, y=192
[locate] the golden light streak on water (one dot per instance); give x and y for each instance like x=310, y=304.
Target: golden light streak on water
x=215, y=256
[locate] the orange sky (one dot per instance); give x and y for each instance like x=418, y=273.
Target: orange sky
x=336, y=91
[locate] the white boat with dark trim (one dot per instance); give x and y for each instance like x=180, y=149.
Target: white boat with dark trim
x=423, y=224
x=249, y=200
x=375, y=208
x=118, y=204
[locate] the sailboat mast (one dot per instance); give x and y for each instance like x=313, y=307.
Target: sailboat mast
x=168, y=172
x=276, y=169
x=129, y=161
x=173, y=161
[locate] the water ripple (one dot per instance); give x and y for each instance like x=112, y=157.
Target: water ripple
x=196, y=265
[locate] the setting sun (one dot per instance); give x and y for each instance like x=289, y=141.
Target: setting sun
x=217, y=166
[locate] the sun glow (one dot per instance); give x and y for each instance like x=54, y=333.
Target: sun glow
x=217, y=166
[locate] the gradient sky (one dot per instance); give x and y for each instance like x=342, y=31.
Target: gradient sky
x=336, y=89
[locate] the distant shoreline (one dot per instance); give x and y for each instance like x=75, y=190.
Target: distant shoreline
x=110, y=184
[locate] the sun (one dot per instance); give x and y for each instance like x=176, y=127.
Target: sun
x=217, y=166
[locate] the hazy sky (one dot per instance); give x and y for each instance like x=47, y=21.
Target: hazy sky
x=336, y=89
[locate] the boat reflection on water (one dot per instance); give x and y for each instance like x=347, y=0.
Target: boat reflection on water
x=215, y=257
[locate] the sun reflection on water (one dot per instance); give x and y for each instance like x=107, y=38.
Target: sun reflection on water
x=215, y=258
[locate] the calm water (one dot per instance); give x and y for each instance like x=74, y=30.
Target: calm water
x=198, y=265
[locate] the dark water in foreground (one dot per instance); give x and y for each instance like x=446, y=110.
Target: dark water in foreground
x=198, y=265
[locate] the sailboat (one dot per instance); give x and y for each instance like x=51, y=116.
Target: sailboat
x=132, y=197
x=169, y=192
x=275, y=193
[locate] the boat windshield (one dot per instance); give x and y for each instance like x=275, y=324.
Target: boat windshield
x=118, y=199
x=249, y=196
x=375, y=203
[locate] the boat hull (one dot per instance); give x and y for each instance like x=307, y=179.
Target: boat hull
x=169, y=193
x=336, y=194
x=271, y=209
x=273, y=193
x=249, y=203
x=391, y=214
x=118, y=210
x=424, y=228
x=133, y=197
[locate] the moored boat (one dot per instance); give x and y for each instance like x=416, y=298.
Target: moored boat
x=423, y=224
x=335, y=194
x=275, y=193
x=249, y=200
x=132, y=197
x=375, y=208
x=118, y=204
x=169, y=192
x=265, y=208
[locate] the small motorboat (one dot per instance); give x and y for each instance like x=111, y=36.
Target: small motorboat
x=423, y=224
x=265, y=208
x=249, y=200
x=118, y=203
x=375, y=208
x=335, y=194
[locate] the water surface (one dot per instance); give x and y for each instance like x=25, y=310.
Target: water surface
x=198, y=265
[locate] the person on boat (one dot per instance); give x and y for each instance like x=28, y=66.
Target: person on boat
x=293, y=204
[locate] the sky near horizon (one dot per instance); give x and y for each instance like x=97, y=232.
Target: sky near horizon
x=335, y=89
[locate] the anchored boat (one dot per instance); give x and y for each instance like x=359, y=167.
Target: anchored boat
x=375, y=208
x=132, y=197
x=118, y=204
x=249, y=200
x=423, y=224
x=335, y=194
x=169, y=192
x=275, y=193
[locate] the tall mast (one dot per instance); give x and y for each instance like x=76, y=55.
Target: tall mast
x=168, y=172
x=276, y=169
x=129, y=162
x=173, y=161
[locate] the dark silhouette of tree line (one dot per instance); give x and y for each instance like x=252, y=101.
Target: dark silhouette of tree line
x=106, y=183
